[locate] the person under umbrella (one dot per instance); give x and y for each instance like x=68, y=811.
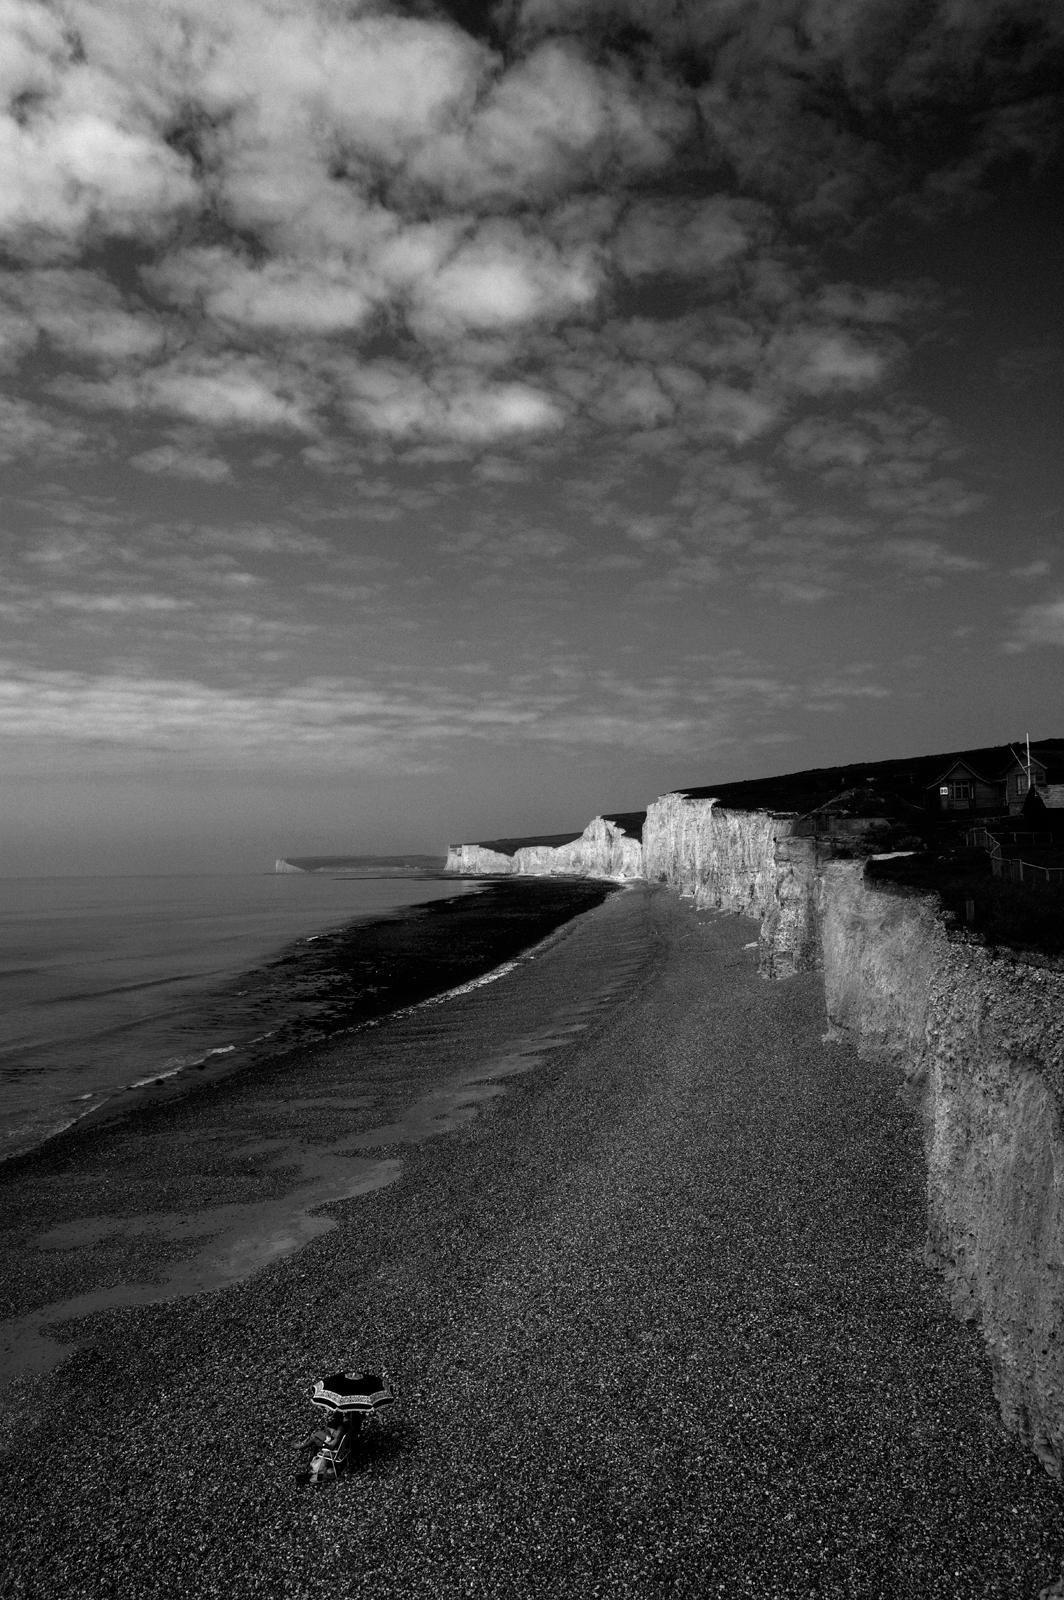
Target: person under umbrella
x=347, y=1398
x=333, y=1442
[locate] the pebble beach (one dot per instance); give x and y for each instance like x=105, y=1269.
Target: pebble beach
x=643, y=1251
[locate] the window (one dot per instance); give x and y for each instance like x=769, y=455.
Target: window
x=960, y=790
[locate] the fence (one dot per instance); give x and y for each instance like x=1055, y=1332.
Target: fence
x=1012, y=870
x=1024, y=871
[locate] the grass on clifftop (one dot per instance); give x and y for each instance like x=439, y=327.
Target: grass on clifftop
x=1012, y=916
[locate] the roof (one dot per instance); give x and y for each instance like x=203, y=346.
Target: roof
x=961, y=765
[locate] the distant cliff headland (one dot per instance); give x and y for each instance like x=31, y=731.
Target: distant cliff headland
x=928, y=892
x=361, y=866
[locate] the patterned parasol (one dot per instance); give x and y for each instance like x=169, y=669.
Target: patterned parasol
x=353, y=1392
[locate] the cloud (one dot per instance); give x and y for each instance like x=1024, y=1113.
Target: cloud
x=826, y=360
x=559, y=297
x=928, y=557
x=228, y=391
x=888, y=458
x=508, y=548
x=176, y=462
x=80, y=313
x=79, y=158
x=350, y=220
x=115, y=604
x=1039, y=624
x=831, y=107
x=349, y=723
x=794, y=591
x=555, y=121
x=686, y=237
x=258, y=539
x=289, y=295
x=848, y=302
x=160, y=719
x=27, y=430
x=387, y=399
x=500, y=277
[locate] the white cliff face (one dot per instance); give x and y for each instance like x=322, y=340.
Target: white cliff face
x=602, y=851
x=719, y=858
x=982, y=1036
x=978, y=1035
x=744, y=861
x=475, y=860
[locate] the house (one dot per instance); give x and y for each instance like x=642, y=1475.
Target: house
x=962, y=788
x=1018, y=779
x=996, y=781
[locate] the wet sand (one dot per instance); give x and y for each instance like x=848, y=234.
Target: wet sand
x=643, y=1250
x=194, y=1180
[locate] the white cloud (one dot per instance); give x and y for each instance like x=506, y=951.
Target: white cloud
x=390, y=400
x=550, y=123
x=116, y=604
x=318, y=297
x=78, y=156
x=928, y=557
x=499, y=277
x=820, y=361
x=29, y=430
x=81, y=314
x=1040, y=624
x=826, y=442
x=176, y=462
x=230, y=391
x=737, y=414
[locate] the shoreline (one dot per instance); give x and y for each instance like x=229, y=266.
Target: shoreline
x=363, y=934
x=206, y=1238
x=649, y=1273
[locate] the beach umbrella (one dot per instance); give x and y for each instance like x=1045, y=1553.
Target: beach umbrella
x=353, y=1393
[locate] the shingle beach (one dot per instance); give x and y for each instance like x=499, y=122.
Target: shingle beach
x=646, y=1256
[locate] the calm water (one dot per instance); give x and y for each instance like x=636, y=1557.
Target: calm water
x=108, y=981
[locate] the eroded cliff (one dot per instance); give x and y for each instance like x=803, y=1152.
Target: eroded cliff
x=980, y=1034
x=477, y=860
x=744, y=861
x=603, y=850
x=977, y=1035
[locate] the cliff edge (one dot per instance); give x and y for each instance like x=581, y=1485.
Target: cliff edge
x=603, y=850
x=978, y=1036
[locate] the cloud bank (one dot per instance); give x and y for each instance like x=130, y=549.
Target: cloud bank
x=300, y=180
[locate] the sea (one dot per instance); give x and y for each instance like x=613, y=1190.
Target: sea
x=111, y=983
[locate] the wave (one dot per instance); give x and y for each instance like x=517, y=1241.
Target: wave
x=316, y=989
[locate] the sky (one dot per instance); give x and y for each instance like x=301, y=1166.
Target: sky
x=427, y=422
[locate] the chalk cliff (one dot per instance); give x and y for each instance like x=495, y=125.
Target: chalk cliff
x=603, y=850
x=478, y=860
x=745, y=861
x=978, y=1036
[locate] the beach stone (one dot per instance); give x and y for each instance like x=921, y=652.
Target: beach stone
x=657, y=1301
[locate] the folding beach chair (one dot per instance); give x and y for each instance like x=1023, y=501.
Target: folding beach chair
x=331, y=1459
